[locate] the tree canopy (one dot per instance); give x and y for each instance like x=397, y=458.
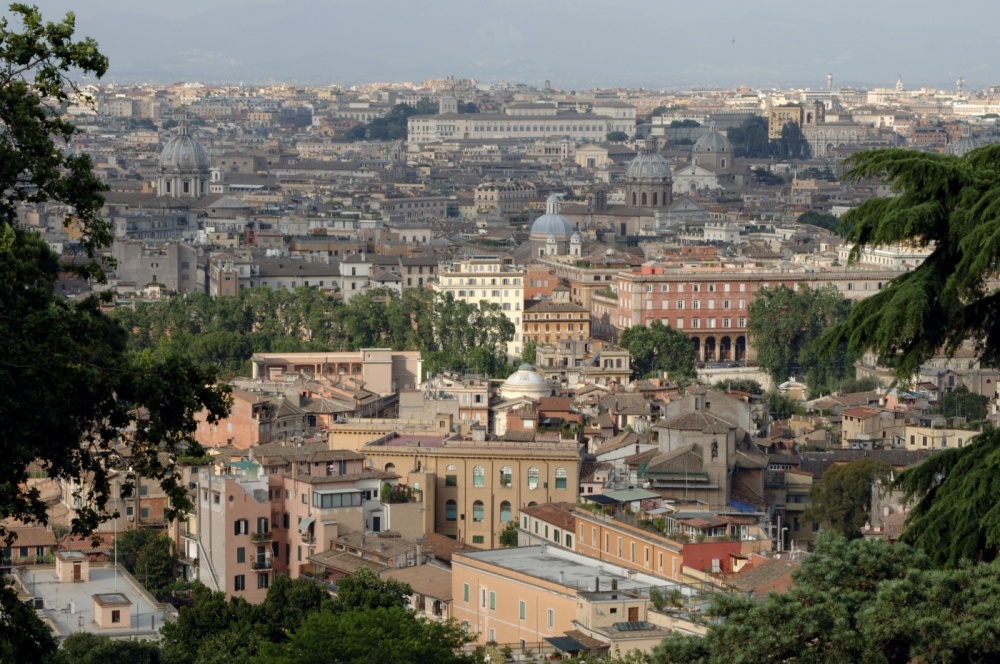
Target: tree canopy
x=949, y=205
x=962, y=402
x=659, y=347
x=841, y=500
x=785, y=325
x=858, y=601
x=821, y=219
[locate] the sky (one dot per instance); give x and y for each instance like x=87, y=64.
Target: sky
x=657, y=44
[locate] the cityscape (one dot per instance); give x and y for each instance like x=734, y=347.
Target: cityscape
x=511, y=370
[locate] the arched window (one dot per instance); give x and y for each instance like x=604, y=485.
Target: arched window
x=451, y=511
x=533, y=478
x=633, y=198
x=643, y=198
x=478, y=511
x=390, y=467
x=504, y=512
x=654, y=198
x=451, y=467
x=506, y=478
x=560, y=478
x=478, y=476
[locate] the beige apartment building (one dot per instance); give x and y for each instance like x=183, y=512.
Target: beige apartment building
x=476, y=486
x=487, y=279
x=533, y=593
x=384, y=371
x=542, y=124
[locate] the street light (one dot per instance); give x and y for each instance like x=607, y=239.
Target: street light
x=781, y=539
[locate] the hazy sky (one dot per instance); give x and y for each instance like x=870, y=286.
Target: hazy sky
x=574, y=43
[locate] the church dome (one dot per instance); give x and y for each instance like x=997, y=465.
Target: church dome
x=552, y=223
x=647, y=165
x=183, y=153
x=965, y=143
x=525, y=382
x=713, y=141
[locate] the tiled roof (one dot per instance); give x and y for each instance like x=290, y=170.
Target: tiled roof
x=557, y=514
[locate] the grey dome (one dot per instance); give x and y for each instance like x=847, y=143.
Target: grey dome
x=713, y=141
x=648, y=165
x=184, y=154
x=552, y=223
x=965, y=143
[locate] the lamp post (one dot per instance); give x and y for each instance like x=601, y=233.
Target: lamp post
x=781, y=539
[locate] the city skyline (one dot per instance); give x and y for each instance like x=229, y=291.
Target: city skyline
x=575, y=45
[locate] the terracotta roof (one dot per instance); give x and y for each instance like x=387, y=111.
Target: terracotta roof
x=762, y=574
x=33, y=536
x=697, y=420
x=428, y=580
x=443, y=546
x=557, y=514
x=345, y=562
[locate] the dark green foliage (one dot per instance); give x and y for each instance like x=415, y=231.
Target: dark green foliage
x=23, y=635
x=849, y=385
x=765, y=177
x=841, y=500
x=528, y=353
x=225, y=331
x=785, y=325
x=657, y=348
x=289, y=602
x=685, y=123
x=380, y=634
x=508, y=536
x=146, y=554
x=739, y=385
x=467, y=107
x=781, y=407
x=821, y=219
x=750, y=138
x=364, y=589
x=792, y=144
x=960, y=402
x=617, y=136
x=814, y=173
x=86, y=648
x=824, y=618
x=199, y=628
x=392, y=126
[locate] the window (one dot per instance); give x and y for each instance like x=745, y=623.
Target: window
x=560, y=478
x=478, y=476
x=465, y=593
x=482, y=597
x=239, y=583
x=451, y=511
x=569, y=541
x=262, y=524
x=330, y=500
x=506, y=476
x=241, y=527
x=551, y=618
x=504, y=512
x=493, y=601
x=533, y=478
x=144, y=513
x=522, y=610
x=116, y=616
x=241, y=554
x=451, y=480
x=478, y=539
x=478, y=511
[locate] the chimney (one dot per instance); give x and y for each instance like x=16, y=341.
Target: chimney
x=597, y=584
x=614, y=584
x=562, y=577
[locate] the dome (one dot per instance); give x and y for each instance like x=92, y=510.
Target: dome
x=965, y=143
x=648, y=165
x=552, y=223
x=183, y=153
x=525, y=382
x=713, y=141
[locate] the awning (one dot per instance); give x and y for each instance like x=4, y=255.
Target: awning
x=566, y=644
x=305, y=523
x=601, y=499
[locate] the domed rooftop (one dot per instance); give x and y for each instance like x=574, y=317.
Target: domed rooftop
x=525, y=382
x=713, y=141
x=965, y=143
x=552, y=223
x=184, y=154
x=646, y=165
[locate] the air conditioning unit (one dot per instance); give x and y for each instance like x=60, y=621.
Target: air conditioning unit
x=410, y=563
x=131, y=518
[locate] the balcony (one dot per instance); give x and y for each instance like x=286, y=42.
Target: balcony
x=309, y=539
x=187, y=559
x=260, y=563
x=258, y=538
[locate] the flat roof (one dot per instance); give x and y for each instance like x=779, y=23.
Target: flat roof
x=146, y=617
x=564, y=567
x=112, y=599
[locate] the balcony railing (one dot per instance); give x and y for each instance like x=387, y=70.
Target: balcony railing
x=265, y=536
x=260, y=563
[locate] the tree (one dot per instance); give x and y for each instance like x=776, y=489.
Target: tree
x=201, y=626
x=825, y=617
x=781, y=407
x=785, y=323
x=657, y=348
x=370, y=634
x=961, y=402
x=841, y=500
x=617, y=136
x=364, y=589
x=86, y=648
x=508, y=536
x=821, y=219
x=739, y=385
x=792, y=144
x=685, y=124
x=467, y=107
x=97, y=395
x=750, y=139
x=948, y=204
x=528, y=353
